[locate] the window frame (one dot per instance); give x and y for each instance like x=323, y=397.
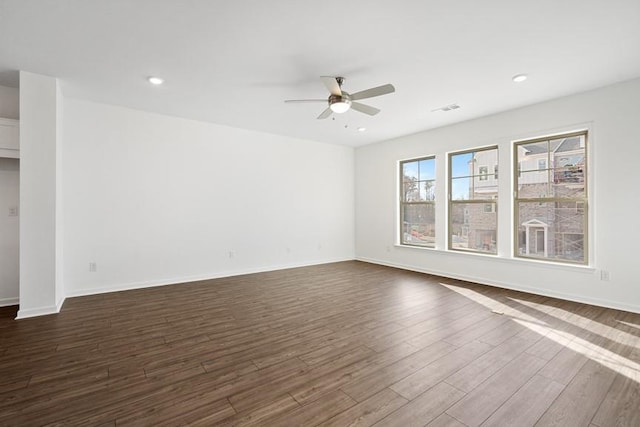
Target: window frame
x=403, y=202
x=451, y=201
x=517, y=173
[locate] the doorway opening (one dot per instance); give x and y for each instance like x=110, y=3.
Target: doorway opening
x=9, y=231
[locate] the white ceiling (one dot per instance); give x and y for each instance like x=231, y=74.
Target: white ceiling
x=234, y=62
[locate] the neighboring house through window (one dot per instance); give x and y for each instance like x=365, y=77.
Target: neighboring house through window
x=473, y=197
x=550, y=203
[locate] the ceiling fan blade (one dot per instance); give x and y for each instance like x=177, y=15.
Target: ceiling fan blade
x=372, y=111
x=375, y=91
x=332, y=85
x=326, y=113
x=305, y=100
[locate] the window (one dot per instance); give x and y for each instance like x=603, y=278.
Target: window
x=489, y=208
x=417, y=204
x=550, y=203
x=542, y=164
x=484, y=173
x=472, y=201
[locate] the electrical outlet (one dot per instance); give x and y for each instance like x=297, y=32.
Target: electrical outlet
x=232, y=254
x=605, y=275
x=93, y=267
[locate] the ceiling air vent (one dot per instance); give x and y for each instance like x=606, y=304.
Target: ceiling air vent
x=447, y=108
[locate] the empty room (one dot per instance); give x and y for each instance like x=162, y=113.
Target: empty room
x=286, y=213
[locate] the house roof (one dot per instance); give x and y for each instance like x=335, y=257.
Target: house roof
x=535, y=222
x=568, y=144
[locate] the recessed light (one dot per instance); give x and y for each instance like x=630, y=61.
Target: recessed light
x=519, y=78
x=361, y=129
x=155, y=80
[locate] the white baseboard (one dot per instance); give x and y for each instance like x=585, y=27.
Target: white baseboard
x=59, y=305
x=196, y=278
x=5, y=302
x=633, y=308
x=40, y=311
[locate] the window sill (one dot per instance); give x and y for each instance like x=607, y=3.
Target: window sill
x=502, y=258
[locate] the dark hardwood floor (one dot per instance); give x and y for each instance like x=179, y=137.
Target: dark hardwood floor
x=334, y=345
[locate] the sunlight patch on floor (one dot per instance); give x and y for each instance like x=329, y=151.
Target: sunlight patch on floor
x=493, y=304
x=632, y=325
x=569, y=339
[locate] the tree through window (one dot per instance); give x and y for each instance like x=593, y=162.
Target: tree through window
x=417, y=203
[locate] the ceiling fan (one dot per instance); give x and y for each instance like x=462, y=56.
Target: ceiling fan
x=341, y=101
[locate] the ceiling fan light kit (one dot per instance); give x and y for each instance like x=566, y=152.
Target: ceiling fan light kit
x=341, y=101
x=340, y=104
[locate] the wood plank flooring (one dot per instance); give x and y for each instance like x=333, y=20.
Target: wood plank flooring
x=340, y=344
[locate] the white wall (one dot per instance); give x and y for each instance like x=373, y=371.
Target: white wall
x=610, y=113
x=9, y=231
x=39, y=293
x=153, y=199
